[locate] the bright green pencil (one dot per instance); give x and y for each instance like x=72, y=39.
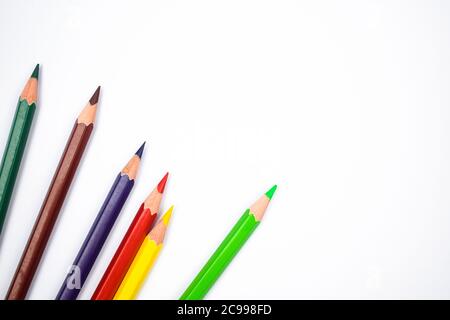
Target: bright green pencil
x=229, y=247
x=16, y=142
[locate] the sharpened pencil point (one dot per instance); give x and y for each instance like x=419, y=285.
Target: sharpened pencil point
x=166, y=217
x=35, y=73
x=94, y=99
x=162, y=183
x=270, y=193
x=140, y=151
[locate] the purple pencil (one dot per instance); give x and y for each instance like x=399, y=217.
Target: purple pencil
x=100, y=230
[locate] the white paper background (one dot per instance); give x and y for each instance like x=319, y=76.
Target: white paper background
x=343, y=104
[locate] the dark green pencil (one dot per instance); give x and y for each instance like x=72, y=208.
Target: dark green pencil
x=17, y=140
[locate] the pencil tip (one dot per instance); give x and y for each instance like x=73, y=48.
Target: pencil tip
x=94, y=99
x=166, y=217
x=140, y=150
x=162, y=184
x=271, y=191
x=35, y=73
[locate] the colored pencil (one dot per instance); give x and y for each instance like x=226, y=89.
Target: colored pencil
x=17, y=141
x=54, y=199
x=138, y=229
x=100, y=229
x=144, y=260
x=228, y=249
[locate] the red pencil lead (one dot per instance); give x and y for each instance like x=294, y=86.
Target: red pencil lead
x=162, y=183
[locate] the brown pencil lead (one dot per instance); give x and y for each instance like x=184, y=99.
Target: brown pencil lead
x=95, y=96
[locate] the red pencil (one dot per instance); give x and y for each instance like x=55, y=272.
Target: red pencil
x=137, y=231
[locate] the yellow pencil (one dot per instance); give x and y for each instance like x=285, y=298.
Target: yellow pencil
x=144, y=260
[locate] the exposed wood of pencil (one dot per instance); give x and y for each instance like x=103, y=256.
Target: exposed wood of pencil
x=158, y=232
x=259, y=207
x=87, y=115
x=30, y=91
x=132, y=167
x=50, y=208
x=154, y=198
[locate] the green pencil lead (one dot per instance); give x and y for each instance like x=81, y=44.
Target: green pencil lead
x=35, y=73
x=270, y=193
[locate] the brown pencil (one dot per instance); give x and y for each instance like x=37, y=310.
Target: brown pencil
x=53, y=201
